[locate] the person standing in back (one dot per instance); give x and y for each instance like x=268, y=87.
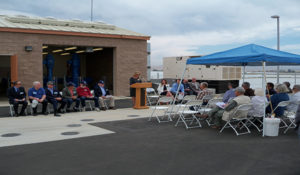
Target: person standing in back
x=16, y=96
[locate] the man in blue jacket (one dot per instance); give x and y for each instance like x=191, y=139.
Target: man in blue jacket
x=54, y=97
x=102, y=93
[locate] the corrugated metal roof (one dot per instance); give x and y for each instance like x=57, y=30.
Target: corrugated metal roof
x=37, y=23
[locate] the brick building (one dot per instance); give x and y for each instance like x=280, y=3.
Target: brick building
x=42, y=49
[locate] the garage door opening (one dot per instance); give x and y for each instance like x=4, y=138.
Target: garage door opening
x=5, y=73
x=64, y=64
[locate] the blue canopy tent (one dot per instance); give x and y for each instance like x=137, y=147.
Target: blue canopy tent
x=248, y=55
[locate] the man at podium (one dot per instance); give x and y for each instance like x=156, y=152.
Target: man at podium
x=134, y=79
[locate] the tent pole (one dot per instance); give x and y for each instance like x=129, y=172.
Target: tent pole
x=183, y=73
x=244, y=71
x=264, y=88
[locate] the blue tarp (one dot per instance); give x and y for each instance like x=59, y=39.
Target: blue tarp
x=248, y=55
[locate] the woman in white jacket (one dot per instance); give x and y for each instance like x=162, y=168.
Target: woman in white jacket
x=257, y=101
x=163, y=88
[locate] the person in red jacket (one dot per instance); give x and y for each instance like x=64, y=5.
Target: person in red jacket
x=84, y=93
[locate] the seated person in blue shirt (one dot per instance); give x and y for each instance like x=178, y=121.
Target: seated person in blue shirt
x=102, y=93
x=187, y=88
x=37, y=95
x=229, y=94
x=175, y=87
x=54, y=97
x=280, y=96
x=16, y=96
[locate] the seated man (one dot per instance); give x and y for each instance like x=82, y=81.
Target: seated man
x=69, y=93
x=229, y=94
x=195, y=86
x=295, y=99
x=219, y=114
x=175, y=87
x=187, y=88
x=84, y=93
x=248, y=91
x=102, y=93
x=37, y=95
x=16, y=96
x=54, y=97
x=205, y=92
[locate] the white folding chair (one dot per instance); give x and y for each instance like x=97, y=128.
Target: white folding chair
x=257, y=117
x=187, y=116
x=208, y=107
x=162, y=108
x=12, y=110
x=282, y=104
x=241, y=110
x=152, y=97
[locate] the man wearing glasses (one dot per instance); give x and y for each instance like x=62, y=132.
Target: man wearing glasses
x=16, y=96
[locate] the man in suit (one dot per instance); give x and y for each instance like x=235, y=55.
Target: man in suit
x=16, y=96
x=54, y=97
x=37, y=95
x=102, y=93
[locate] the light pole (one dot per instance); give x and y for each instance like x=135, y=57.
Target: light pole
x=278, y=42
x=92, y=6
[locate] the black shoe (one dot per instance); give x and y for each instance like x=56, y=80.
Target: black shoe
x=103, y=109
x=68, y=110
x=60, y=111
x=75, y=109
x=22, y=114
x=44, y=113
x=16, y=115
x=35, y=114
x=57, y=115
x=112, y=108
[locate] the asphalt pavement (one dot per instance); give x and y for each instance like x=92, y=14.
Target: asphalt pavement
x=139, y=147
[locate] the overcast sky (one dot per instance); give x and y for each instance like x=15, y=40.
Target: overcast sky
x=177, y=28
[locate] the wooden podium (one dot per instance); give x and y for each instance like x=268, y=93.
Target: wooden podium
x=141, y=95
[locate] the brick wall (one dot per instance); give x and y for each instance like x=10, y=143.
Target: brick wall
x=129, y=55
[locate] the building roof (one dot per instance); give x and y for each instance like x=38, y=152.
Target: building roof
x=25, y=24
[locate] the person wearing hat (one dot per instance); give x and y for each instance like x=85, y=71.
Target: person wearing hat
x=54, y=97
x=69, y=93
x=37, y=95
x=102, y=93
x=84, y=93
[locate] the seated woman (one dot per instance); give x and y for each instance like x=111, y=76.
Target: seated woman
x=257, y=101
x=163, y=88
x=275, y=99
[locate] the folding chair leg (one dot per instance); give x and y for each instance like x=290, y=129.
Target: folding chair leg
x=259, y=130
x=291, y=125
x=224, y=126
x=284, y=123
